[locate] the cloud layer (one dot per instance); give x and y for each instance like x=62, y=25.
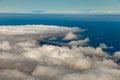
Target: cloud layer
x=23, y=58
x=79, y=12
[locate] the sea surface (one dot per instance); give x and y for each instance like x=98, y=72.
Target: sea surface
x=100, y=28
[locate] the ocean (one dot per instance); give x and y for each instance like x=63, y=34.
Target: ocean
x=99, y=28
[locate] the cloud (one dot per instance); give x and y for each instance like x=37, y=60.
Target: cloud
x=14, y=74
x=117, y=54
x=37, y=11
x=57, y=12
x=78, y=12
x=34, y=29
x=5, y=45
x=101, y=74
x=70, y=36
x=79, y=42
x=66, y=12
x=69, y=12
x=24, y=58
x=104, y=46
x=49, y=72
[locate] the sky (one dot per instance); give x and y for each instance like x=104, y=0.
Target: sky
x=91, y=6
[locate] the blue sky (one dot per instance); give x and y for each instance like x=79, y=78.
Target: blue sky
x=22, y=6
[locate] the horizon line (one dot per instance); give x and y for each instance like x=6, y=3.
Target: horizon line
x=87, y=12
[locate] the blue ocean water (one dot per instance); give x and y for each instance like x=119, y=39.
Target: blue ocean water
x=100, y=28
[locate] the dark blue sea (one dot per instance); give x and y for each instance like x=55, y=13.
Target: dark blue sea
x=100, y=28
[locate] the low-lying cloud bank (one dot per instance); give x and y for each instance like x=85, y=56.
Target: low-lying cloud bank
x=23, y=58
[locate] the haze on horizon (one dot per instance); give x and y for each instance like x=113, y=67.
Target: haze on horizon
x=62, y=6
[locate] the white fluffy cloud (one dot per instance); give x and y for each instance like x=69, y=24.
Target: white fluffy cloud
x=5, y=45
x=117, y=54
x=100, y=74
x=23, y=58
x=39, y=29
x=70, y=36
x=79, y=42
x=14, y=75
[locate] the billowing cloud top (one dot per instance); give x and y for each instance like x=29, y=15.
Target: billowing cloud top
x=22, y=57
x=39, y=29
